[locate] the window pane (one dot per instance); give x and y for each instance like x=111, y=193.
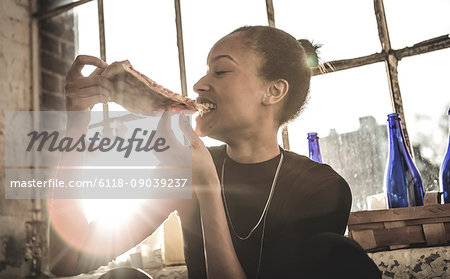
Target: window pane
x=144, y=32
x=87, y=39
x=349, y=109
x=87, y=21
x=205, y=22
x=346, y=29
x=410, y=22
x=426, y=99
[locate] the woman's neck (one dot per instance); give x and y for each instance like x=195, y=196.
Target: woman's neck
x=259, y=149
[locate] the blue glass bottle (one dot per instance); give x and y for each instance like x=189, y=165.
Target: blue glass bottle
x=314, y=149
x=403, y=183
x=444, y=174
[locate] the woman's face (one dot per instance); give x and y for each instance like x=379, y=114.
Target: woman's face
x=233, y=88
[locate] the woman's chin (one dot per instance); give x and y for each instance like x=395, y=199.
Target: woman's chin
x=199, y=131
x=199, y=128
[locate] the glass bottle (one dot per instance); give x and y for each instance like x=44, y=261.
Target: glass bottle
x=403, y=183
x=314, y=149
x=444, y=174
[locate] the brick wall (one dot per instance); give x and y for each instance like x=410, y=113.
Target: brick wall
x=56, y=53
x=56, y=37
x=15, y=94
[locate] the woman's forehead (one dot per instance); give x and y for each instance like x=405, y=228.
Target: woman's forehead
x=232, y=46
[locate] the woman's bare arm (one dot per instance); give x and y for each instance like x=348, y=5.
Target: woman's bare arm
x=76, y=245
x=221, y=258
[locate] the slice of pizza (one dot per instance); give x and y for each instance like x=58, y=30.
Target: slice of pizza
x=137, y=92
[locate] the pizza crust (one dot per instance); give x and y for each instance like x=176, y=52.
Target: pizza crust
x=137, y=92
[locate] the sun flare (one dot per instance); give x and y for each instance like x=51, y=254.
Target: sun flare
x=117, y=210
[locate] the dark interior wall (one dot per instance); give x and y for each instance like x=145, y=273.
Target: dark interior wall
x=15, y=94
x=57, y=50
x=56, y=40
x=47, y=5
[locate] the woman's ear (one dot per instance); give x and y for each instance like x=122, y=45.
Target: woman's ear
x=276, y=91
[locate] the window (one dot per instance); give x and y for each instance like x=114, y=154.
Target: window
x=345, y=28
x=345, y=106
x=414, y=21
x=144, y=32
x=426, y=100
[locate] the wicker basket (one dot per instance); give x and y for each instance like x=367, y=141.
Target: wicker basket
x=396, y=228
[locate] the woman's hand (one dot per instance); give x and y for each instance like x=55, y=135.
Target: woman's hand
x=82, y=93
x=178, y=154
x=221, y=258
x=204, y=176
x=196, y=155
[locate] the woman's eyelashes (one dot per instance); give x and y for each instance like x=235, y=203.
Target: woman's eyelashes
x=220, y=73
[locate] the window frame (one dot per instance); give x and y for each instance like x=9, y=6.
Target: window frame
x=388, y=55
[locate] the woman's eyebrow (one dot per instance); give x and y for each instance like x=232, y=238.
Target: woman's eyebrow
x=225, y=56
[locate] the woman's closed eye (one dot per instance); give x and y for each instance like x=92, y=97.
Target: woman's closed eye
x=220, y=73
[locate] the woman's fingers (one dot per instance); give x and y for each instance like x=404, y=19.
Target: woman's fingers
x=88, y=82
x=97, y=71
x=189, y=132
x=84, y=92
x=84, y=99
x=164, y=126
x=82, y=60
x=84, y=103
x=178, y=154
x=89, y=91
x=85, y=87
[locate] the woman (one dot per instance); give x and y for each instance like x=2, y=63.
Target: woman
x=257, y=209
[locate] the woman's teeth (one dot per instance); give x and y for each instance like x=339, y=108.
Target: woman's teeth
x=206, y=107
x=209, y=106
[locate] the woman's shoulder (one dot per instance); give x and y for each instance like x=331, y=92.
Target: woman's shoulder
x=300, y=164
x=317, y=186
x=313, y=177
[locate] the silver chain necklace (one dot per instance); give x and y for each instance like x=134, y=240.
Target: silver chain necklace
x=266, y=207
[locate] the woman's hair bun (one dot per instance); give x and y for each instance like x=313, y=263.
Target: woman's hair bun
x=311, y=50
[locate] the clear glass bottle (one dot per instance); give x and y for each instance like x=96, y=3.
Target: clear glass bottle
x=444, y=174
x=314, y=149
x=403, y=183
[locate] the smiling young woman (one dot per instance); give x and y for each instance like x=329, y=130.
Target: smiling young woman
x=280, y=207
x=257, y=211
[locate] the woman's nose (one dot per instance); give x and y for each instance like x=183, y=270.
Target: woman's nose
x=201, y=86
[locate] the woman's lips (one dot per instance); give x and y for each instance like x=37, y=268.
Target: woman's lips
x=208, y=104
